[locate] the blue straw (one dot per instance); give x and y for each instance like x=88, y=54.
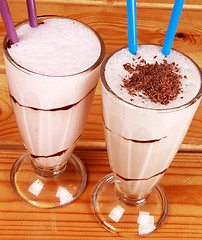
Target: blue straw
x=172, y=27
x=132, y=26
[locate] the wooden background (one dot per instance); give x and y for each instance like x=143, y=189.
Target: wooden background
x=183, y=180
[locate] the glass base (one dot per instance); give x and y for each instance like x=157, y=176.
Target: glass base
x=128, y=219
x=48, y=192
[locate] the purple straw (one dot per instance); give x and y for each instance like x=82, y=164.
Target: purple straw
x=8, y=22
x=32, y=13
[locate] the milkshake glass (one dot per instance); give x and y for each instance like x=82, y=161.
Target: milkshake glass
x=51, y=110
x=142, y=138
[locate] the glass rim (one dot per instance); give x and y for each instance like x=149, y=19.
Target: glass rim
x=165, y=109
x=24, y=69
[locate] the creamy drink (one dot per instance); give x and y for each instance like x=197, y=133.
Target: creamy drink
x=149, y=101
x=52, y=75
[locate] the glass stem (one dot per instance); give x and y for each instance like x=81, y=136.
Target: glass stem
x=131, y=200
x=48, y=172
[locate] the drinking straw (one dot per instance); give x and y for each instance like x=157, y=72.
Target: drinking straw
x=32, y=13
x=132, y=26
x=8, y=22
x=172, y=26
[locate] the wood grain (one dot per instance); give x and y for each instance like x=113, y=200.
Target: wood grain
x=140, y=3
x=110, y=20
x=182, y=183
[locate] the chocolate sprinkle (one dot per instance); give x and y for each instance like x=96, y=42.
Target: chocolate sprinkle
x=160, y=82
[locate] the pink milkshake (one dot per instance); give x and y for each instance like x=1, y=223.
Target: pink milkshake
x=148, y=103
x=144, y=132
x=52, y=75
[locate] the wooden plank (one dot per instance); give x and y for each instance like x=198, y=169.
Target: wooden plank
x=140, y=3
x=182, y=183
x=111, y=22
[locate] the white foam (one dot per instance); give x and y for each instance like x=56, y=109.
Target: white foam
x=114, y=73
x=50, y=48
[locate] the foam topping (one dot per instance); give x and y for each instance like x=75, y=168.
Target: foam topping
x=57, y=47
x=149, y=79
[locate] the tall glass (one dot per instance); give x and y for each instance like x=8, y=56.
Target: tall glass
x=51, y=112
x=141, y=143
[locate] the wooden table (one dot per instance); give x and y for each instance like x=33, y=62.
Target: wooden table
x=182, y=181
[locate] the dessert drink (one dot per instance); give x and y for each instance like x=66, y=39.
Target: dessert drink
x=52, y=75
x=149, y=101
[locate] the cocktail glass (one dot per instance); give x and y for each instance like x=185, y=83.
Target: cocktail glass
x=51, y=112
x=141, y=143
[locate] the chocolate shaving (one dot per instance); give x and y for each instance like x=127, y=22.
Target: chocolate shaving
x=160, y=82
x=128, y=68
